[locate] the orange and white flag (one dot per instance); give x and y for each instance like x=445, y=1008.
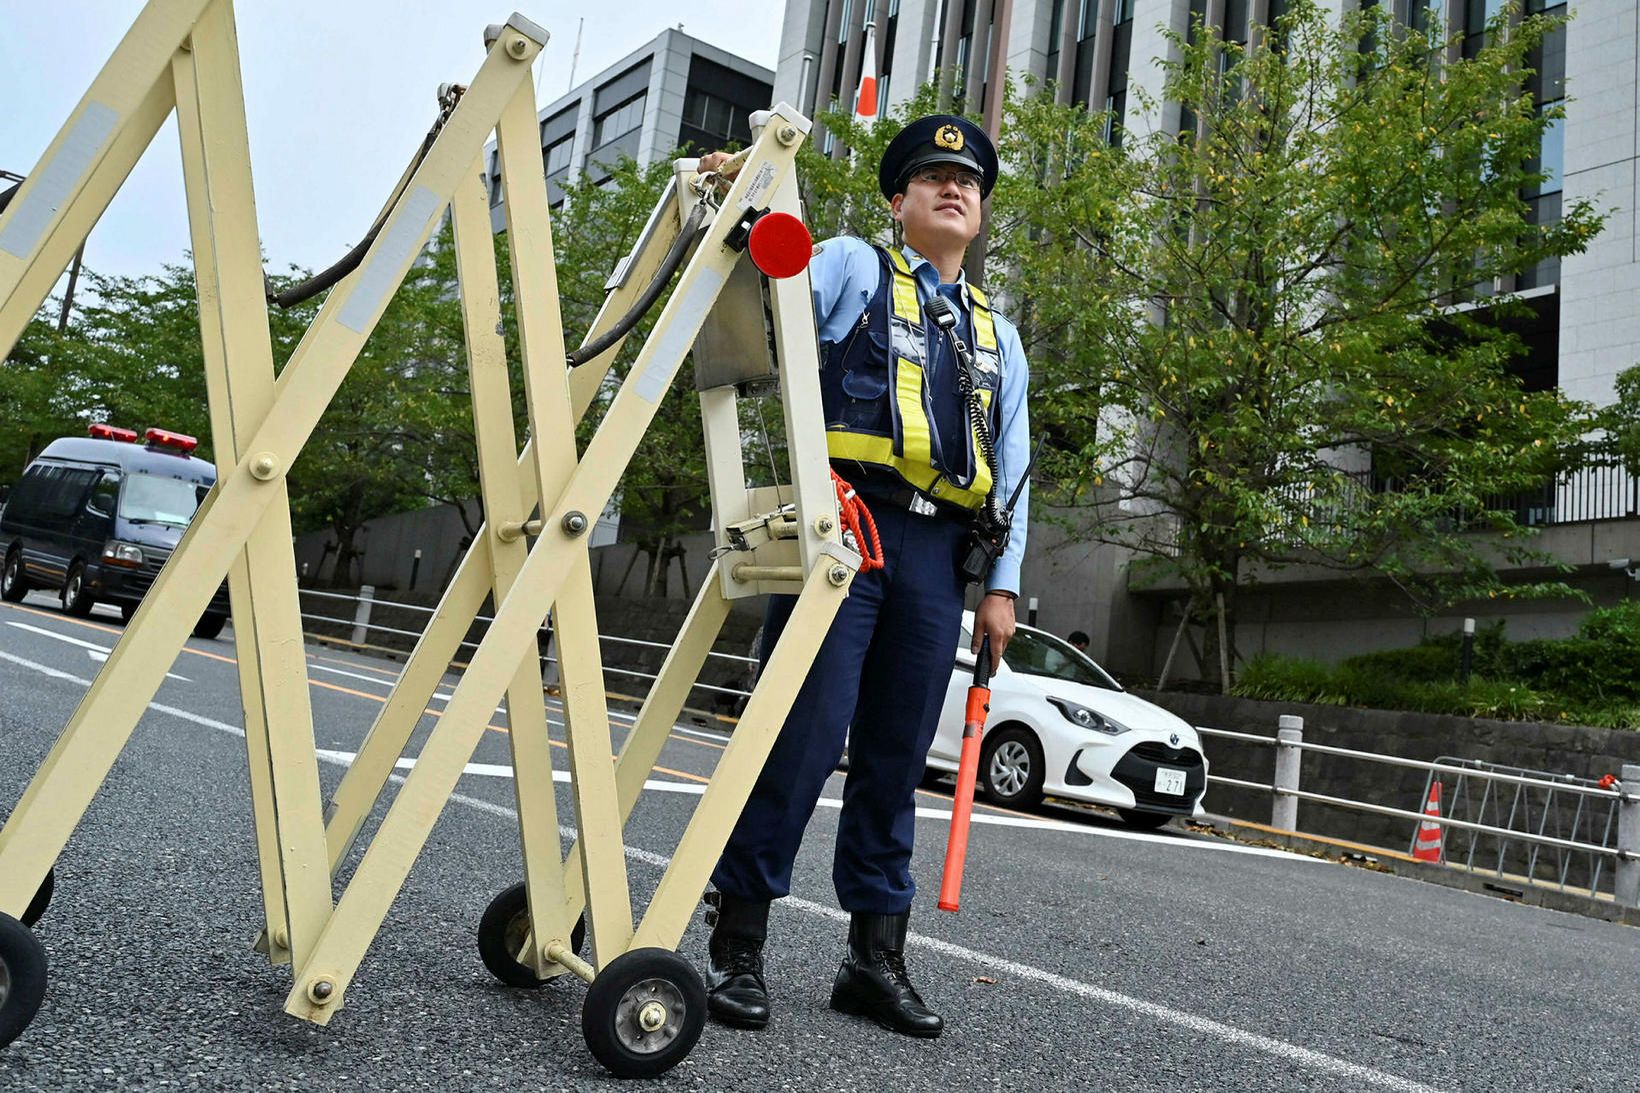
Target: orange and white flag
x=865, y=100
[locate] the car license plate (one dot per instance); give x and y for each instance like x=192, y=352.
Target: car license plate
x=1170, y=781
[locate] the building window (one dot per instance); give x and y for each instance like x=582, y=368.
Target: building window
x=557, y=155
x=844, y=26
x=716, y=116
x=618, y=121
x=1087, y=20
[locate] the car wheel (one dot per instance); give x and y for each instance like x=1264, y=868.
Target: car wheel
x=209, y=626
x=77, y=599
x=13, y=585
x=1143, y=821
x=1011, y=767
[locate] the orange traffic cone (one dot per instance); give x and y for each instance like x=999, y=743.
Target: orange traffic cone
x=1428, y=846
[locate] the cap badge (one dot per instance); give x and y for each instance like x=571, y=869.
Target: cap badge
x=949, y=137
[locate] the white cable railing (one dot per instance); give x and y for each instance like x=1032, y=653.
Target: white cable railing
x=363, y=626
x=1622, y=796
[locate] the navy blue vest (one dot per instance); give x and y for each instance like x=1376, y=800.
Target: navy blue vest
x=857, y=383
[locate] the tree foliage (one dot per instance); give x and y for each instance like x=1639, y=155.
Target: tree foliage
x=1280, y=342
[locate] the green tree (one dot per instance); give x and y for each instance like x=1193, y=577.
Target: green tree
x=1620, y=423
x=663, y=494
x=397, y=434
x=1274, y=349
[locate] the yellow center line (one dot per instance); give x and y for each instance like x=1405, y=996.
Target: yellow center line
x=354, y=664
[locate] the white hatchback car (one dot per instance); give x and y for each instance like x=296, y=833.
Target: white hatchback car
x=1060, y=726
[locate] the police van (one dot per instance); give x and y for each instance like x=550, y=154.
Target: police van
x=96, y=518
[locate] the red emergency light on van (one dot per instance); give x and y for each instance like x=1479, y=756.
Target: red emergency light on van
x=103, y=431
x=164, y=438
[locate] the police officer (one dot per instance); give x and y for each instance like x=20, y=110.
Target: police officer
x=900, y=407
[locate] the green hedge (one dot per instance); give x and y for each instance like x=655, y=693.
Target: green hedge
x=1590, y=679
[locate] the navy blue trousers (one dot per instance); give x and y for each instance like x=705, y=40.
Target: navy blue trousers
x=880, y=679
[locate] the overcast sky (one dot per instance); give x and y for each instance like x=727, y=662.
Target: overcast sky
x=338, y=93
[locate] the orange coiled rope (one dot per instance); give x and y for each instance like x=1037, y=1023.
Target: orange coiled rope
x=857, y=522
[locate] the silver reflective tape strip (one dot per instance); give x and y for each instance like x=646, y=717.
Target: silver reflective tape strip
x=680, y=335
x=380, y=275
x=54, y=178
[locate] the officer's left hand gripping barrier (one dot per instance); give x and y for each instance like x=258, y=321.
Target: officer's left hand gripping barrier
x=183, y=55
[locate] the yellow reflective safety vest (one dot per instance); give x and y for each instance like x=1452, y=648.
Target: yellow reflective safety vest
x=892, y=397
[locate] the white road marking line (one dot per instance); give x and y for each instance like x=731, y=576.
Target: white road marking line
x=1293, y=1053
x=1190, y=1022
x=100, y=657
x=719, y=737
x=43, y=670
x=492, y=770
x=1204, y=1026
x=498, y=770
x=94, y=651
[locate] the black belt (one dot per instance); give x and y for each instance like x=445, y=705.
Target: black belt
x=913, y=500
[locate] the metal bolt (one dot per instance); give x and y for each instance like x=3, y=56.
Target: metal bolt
x=824, y=524
x=652, y=1017
x=787, y=135
x=575, y=522
x=518, y=47
x=321, y=990
x=265, y=466
x=838, y=575
x=281, y=938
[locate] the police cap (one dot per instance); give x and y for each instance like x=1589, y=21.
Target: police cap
x=937, y=138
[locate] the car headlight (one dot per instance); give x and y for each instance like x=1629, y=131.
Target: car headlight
x=1084, y=718
x=123, y=554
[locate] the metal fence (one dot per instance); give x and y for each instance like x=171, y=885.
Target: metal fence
x=1530, y=827
x=361, y=626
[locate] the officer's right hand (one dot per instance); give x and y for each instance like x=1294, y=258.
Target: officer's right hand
x=713, y=160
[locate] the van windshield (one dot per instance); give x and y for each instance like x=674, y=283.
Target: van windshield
x=148, y=498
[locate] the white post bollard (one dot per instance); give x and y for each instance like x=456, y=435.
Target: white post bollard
x=361, y=616
x=1284, y=809
x=1627, y=888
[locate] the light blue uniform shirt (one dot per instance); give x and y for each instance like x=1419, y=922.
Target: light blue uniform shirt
x=844, y=276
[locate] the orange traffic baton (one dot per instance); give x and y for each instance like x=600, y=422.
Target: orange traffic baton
x=956, y=846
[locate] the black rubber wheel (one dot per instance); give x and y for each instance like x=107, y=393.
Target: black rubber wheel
x=42, y=899
x=644, y=1012
x=209, y=626
x=501, y=934
x=13, y=582
x=1011, y=766
x=1143, y=821
x=22, y=978
x=77, y=599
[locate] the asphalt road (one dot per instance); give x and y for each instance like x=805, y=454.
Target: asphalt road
x=1085, y=957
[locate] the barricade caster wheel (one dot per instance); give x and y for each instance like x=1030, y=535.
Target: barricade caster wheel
x=42, y=899
x=22, y=978
x=501, y=933
x=644, y=1012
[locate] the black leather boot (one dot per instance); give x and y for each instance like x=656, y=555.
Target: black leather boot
x=735, y=993
x=873, y=983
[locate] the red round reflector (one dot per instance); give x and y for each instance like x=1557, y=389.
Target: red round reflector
x=780, y=245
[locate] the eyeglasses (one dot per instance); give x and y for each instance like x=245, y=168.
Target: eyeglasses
x=939, y=176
